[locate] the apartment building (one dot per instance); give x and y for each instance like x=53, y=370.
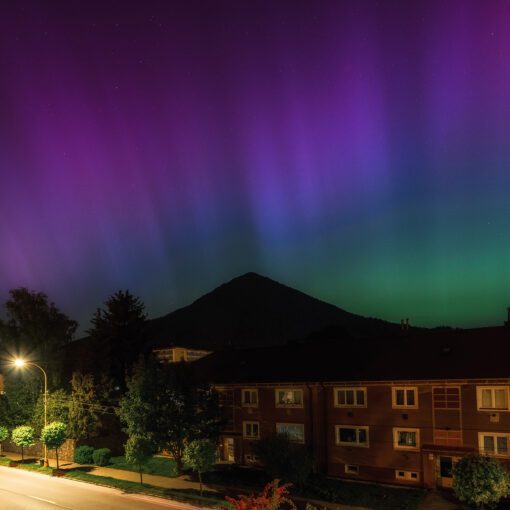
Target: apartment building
x=179, y=354
x=395, y=410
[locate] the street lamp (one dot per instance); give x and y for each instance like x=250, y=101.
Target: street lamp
x=20, y=363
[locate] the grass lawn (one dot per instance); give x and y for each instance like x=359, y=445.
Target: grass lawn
x=27, y=466
x=370, y=495
x=235, y=476
x=156, y=466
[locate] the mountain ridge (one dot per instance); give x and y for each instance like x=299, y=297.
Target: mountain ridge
x=252, y=310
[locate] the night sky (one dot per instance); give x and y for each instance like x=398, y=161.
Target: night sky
x=356, y=150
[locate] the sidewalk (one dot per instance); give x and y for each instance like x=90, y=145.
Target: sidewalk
x=181, y=482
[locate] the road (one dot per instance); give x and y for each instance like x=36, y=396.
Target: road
x=23, y=490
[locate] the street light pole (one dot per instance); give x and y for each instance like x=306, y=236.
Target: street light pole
x=21, y=363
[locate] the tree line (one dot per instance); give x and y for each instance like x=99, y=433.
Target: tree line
x=119, y=388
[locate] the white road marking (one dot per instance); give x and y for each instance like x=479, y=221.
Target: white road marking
x=44, y=500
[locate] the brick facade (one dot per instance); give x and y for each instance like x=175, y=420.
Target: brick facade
x=443, y=419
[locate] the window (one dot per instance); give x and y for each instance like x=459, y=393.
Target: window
x=406, y=439
x=250, y=458
x=250, y=398
x=251, y=430
x=492, y=398
x=351, y=436
x=405, y=397
x=402, y=474
x=350, y=397
x=446, y=397
x=288, y=397
x=352, y=470
x=295, y=431
x=492, y=443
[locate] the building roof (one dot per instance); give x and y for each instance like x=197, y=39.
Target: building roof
x=480, y=353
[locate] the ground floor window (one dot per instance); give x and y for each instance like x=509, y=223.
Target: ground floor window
x=404, y=474
x=250, y=458
x=351, y=469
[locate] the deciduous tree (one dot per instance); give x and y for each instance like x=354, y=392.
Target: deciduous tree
x=23, y=436
x=200, y=455
x=4, y=434
x=165, y=406
x=36, y=327
x=84, y=407
x=480, y=480
x=53, y=436
x=57, y=409
x=283, y=459
x=138, y=451
x=19, y=402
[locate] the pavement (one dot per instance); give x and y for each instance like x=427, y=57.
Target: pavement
x=181, y=482
x=25, y=490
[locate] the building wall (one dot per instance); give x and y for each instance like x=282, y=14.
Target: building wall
x=446, y=416
x=380, y=460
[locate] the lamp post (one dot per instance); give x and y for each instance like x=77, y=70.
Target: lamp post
x=19, y=363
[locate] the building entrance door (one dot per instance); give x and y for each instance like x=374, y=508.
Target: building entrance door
x=228, y=449
x=445, y=470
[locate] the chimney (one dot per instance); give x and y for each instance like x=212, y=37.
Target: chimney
x=507, y=322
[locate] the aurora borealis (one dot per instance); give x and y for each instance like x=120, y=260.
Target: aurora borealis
x=358, y=151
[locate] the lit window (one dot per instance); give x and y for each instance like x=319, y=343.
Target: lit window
x=295, y=431
x=405, y=397
x=250, y=398
x=351, y=436
x=406, y=439
x=493, y=398
x=288, y=397
x=251, y=430
x=350, y=397
x=491, y=443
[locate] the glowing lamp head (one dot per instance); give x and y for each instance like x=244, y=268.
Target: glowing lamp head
x=19, y=363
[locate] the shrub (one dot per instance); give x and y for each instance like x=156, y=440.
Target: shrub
x=284, y=460
x=102, y=456
x=273, y=497
x=83, y=454
x=480, y=480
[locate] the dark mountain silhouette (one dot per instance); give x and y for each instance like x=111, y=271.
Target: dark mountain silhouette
x=254, y=311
